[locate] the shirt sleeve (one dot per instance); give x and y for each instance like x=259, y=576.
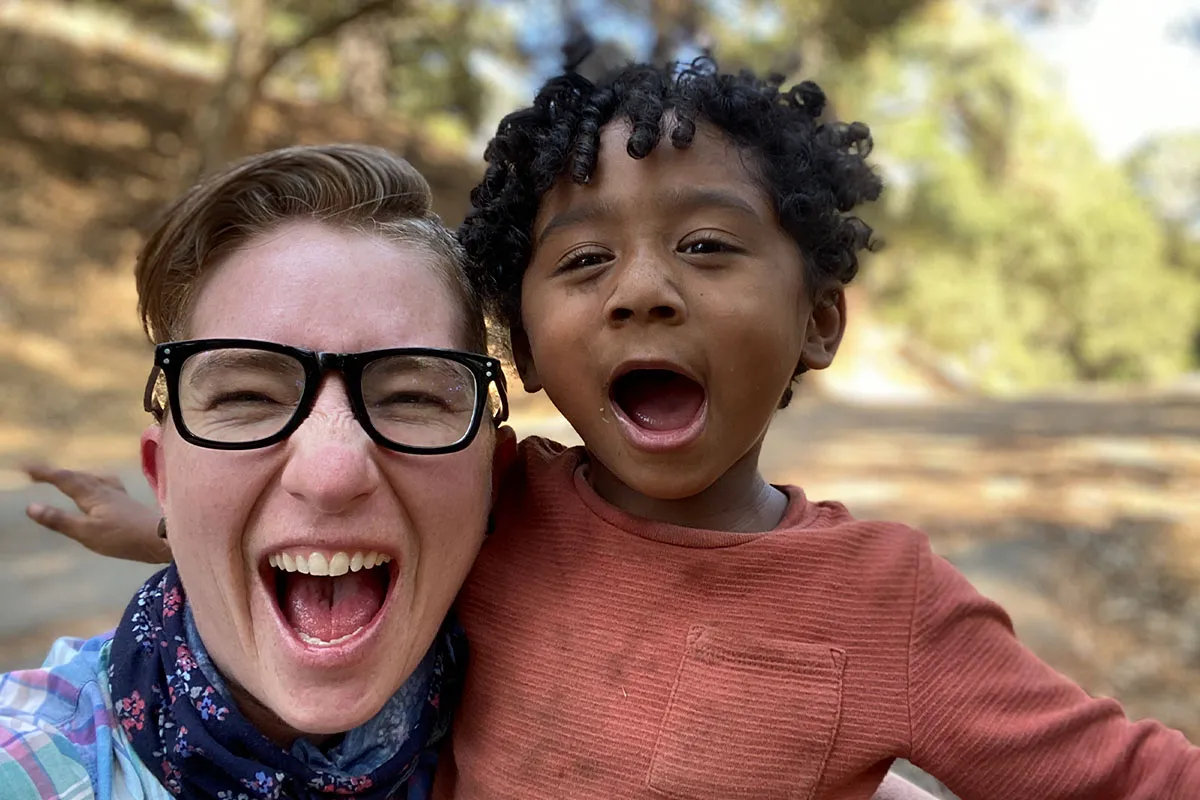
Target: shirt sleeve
x=39, y=763
x=989, y=719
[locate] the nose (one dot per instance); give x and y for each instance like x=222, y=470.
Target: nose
x=645, y=292
x=331, y=463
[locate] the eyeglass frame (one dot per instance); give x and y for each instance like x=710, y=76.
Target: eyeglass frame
x=169, y=358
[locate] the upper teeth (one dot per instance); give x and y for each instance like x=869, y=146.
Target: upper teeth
x=335, y=564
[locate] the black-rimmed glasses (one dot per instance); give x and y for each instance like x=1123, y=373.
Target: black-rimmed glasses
x=239, y=394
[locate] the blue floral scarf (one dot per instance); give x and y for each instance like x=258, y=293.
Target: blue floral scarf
x=185, y=727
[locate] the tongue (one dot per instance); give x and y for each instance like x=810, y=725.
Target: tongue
x=329, y=608
x=659, y=400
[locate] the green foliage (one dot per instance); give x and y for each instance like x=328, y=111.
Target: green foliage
x=1012, y=245
x=427, y=47
x=1166, y=173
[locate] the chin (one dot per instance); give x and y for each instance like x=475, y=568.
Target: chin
x=661, y=483
x=329, y=690
x=321, y=712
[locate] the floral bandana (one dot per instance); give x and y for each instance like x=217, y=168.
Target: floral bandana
x=187, y=730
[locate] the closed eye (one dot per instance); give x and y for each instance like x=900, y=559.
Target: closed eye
x=244, y=397
x=411, y=399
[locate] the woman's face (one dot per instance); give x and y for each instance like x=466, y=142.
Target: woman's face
x=328, y=488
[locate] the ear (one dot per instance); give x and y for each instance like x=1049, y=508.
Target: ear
x=502, y=457
x=523, y=360
x=152, y=462
x=826, y=325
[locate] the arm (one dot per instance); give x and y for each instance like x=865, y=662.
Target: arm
x=989, y=719
x=112, y=523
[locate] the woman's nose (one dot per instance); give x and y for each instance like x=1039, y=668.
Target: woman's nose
x=645, y=292
x=331, y=461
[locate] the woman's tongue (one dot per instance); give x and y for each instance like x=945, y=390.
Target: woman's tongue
x=658, y=400
x=328, y=608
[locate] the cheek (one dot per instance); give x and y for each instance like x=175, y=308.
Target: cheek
x=549, y=318
x=447, y=499
x=210, y=494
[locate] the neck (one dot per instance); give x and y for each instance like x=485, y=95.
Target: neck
x=270, y=725
x=740, y=501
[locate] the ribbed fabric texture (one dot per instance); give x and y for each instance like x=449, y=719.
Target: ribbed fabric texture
x=614, y=657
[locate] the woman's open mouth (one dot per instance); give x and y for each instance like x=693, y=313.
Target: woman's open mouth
x=661, y=408
x=328, y=598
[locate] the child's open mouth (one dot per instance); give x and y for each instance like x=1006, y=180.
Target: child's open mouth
x=662, y=408
x=327, y=598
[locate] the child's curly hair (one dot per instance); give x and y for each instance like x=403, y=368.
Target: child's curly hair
x=814, y=172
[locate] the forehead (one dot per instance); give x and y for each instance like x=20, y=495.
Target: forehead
x=711, y=164
x=324, y=288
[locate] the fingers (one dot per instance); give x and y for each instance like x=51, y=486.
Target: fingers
x=108, y=479
x=79, y=486
x=69, y=525
x=71, y=483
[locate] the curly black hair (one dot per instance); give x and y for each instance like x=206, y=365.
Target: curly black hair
x=814, y=172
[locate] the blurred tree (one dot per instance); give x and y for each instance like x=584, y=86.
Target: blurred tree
x=221, y=127
x=1012, y=244
x=1166, y=172
x=412, y=56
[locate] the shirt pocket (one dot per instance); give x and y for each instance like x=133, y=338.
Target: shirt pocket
x=748, y=717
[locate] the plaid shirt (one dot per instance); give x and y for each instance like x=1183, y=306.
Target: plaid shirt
x=58, y=737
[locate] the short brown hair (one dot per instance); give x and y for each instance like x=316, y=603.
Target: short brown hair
x=345, y=185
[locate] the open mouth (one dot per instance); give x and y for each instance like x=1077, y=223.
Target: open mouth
x=658, y=400
x=327, y=598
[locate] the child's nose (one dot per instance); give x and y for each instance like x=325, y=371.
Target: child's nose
x=643, y=294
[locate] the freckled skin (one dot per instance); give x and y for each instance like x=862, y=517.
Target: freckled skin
x=312, y=286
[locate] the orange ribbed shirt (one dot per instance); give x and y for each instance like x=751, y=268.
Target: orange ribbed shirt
x=616, y=657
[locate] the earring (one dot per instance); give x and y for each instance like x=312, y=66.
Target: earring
x=162, y=528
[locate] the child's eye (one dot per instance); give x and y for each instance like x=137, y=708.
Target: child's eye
x=582, y=259
x=707, y=245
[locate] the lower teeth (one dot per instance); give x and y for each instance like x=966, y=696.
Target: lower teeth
x=313, y=640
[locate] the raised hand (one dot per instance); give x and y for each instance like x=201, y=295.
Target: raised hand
x=112, y=523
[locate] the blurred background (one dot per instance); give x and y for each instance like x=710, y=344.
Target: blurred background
x=1020, y=377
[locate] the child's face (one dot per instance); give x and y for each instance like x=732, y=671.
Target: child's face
x=665, y=312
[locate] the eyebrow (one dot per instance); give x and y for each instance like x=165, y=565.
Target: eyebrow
x=694, y=197
x=685, y=199
x=223, y=359
x=395, y=366
x=590, y=211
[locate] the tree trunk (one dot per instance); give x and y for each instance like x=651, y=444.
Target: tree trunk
x=222, y=126
x=364, y=60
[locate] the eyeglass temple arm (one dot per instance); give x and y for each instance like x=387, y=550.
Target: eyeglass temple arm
x=148, y=397
x=501, y=384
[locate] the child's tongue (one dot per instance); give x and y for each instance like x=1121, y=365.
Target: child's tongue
x=329, y=608
x=658, y=399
